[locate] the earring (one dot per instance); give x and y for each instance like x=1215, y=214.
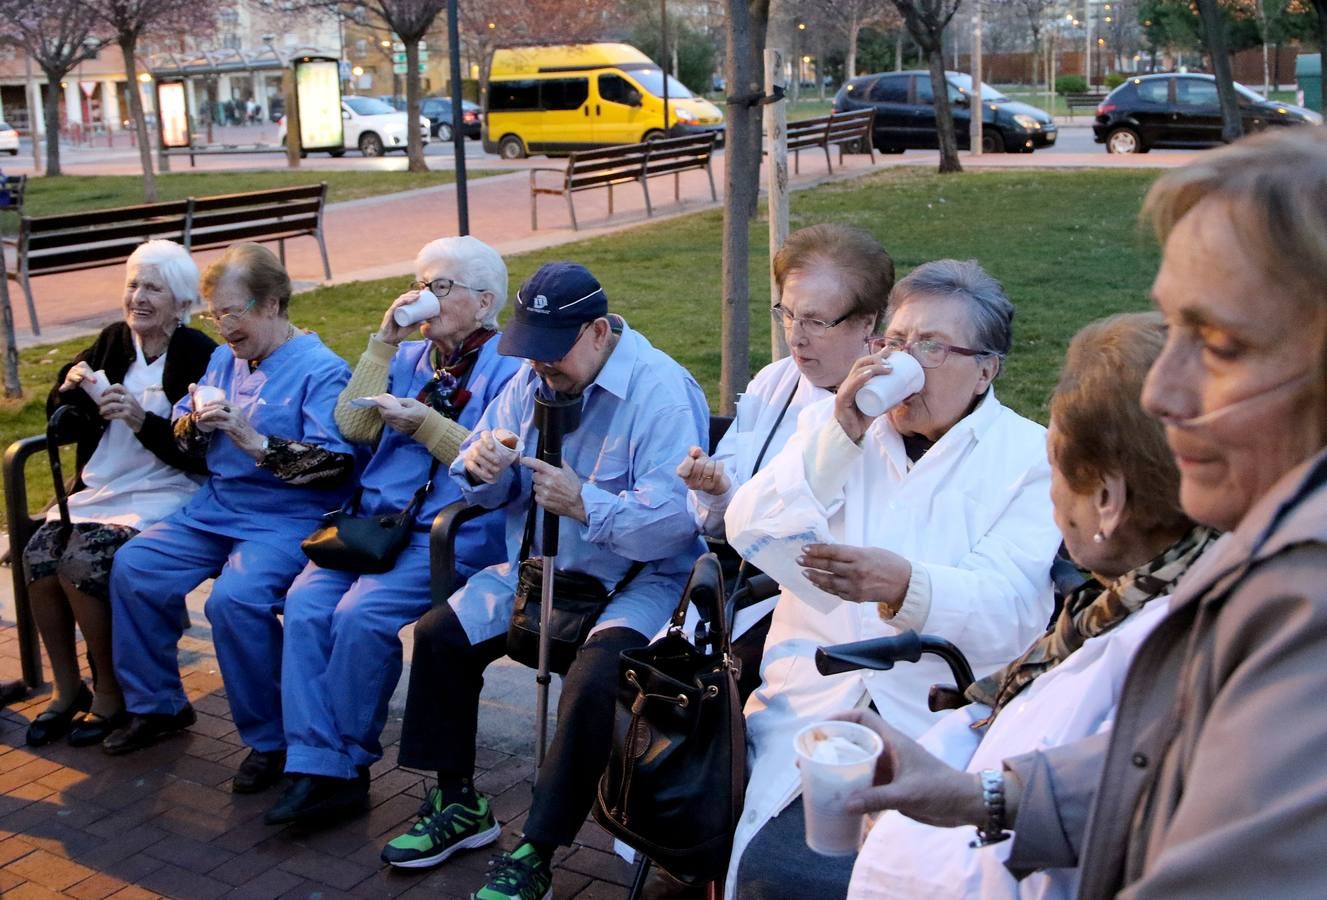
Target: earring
x=1098, y=538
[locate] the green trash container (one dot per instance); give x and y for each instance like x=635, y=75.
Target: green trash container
x=1308, y=76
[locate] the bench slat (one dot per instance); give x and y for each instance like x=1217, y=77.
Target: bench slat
x=169, y=228
x=260, y=198
x=224, y=236
x=289, y=210
x=65, y=221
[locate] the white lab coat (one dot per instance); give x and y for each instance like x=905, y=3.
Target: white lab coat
x=903, y=859
x=974, y=513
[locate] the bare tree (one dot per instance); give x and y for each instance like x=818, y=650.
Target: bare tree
x=128, y=21
x=926, y=21
x=58, y=35
x=849, y=17
x=1036, y=13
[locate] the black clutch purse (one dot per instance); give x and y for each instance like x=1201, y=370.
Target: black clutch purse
x=369, y=545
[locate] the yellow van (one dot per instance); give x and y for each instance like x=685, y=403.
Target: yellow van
x=577, y=96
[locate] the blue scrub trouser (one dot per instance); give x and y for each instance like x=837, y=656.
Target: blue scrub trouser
x=342, y=659
x=152, y=575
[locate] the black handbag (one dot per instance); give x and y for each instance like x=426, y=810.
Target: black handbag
x=578, y=601
x=369, y=545
x=676, y=777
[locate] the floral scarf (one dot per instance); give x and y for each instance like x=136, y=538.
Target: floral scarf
x=445, y=392
x=1090, y=610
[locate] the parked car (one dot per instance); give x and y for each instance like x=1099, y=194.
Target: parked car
x=8, y=139
x=904, y=107
x=395, y=101
x=370, y=126
x=1182, y=110
x=438, y=110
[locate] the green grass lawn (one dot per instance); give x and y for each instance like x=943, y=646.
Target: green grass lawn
x=1066, y=245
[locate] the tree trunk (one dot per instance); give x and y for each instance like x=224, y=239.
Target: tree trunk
x=52, y=114
x=944, y=116
x=294, y=145
x=1214, y=35
x=898, y=51
x=127, y=47
x=414, y=149
x=740, y=186
x=850, y=62
x=1320, y=7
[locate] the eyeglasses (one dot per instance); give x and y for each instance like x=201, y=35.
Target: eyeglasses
x=931, y=354
x=227, y=321
x=440, y=287
x=810, y=327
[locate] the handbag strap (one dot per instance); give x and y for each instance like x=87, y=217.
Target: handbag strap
x=706, y=574
x=527, y=540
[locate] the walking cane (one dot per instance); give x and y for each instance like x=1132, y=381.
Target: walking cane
x=556, y=416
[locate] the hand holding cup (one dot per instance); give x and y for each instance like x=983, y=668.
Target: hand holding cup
x=485, y=458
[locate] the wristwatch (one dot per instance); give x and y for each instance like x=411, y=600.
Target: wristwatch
x=992, y=797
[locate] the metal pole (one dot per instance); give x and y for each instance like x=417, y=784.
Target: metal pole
x=1087, y=57
x=34, y=120
x=776, y=128
x=458, y=128
x=663, y=58
x=976, y=111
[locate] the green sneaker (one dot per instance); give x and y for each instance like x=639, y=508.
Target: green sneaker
x=519, y=875
x=441, y=832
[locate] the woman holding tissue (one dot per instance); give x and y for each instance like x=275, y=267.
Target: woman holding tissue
x=933, y=516
x=276, y=464
x=428, y=393
x=131, y=474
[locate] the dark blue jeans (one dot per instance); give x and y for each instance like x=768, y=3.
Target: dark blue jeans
x=777, y=864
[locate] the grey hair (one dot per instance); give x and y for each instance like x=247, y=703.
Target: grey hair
x=477, y=264
x=992, y=311
x=177, y=268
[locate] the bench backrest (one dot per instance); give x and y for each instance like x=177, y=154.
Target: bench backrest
x=630, y=162
x=80, y=240
x=224, y=219
x=850, y=126
x=805, y=133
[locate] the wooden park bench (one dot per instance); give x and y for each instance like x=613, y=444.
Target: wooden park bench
x=47, y=245
x=591, y=169
x=1088, y=100
x=846, y=130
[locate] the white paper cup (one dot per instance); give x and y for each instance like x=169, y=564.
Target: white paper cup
x=95, y=386
x=425, y=306
x=884, y=392
x=826, y=785
x=206, y=395
x=509, y=454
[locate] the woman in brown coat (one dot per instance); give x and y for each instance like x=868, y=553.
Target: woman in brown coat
x=1213, y=781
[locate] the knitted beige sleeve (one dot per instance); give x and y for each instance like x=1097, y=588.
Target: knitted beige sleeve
x=362, y=426
x=441, y=436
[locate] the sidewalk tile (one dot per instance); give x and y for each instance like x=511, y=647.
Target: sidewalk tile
x=95, y=888
x=325, y=869
x=271, y=883
x=30, y=890
x=174, y=881
x=49, y=870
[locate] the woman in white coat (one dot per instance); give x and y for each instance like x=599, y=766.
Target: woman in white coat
x=935, y=516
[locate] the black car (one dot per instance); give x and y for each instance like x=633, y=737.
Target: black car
x=905, y=113
x=1182, y=110
x=438, y=110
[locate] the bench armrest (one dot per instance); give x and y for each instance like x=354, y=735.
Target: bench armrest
x=442, y=547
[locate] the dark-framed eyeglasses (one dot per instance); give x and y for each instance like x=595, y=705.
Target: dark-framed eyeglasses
x=929, y=353
x=810, y=327
x=441, y=287
x=227, y=320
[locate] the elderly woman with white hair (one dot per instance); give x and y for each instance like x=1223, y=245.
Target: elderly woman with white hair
x=342, y=655
x=131, y=475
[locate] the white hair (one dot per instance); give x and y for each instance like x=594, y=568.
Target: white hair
x=177, y=269
x=475, y=264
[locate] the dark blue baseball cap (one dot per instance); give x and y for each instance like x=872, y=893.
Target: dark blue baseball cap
x=550, y=309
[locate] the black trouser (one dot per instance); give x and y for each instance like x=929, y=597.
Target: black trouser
x=777, y=863
x=442, y=717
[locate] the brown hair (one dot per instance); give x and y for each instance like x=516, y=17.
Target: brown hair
x=257, y=267
x=865, y=267
x=1100, y=425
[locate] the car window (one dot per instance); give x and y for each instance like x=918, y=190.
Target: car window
x=367, y=106
x=564, y=93
x=614, y=89
x=1195, y=92
x=509, y=95
x=924, y=93
x=890, y=89
x=1155, y=91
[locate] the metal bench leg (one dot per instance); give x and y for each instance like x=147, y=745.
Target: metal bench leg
x=534, y=211
x=610, y=199
x=27, y=293
x=322, y=248
x=571, y=208
x=714, y=195
x=281, y=248
x=645, y=188
x=641, y=875
x=797, y=162
x=677, y=187
x=829, y=164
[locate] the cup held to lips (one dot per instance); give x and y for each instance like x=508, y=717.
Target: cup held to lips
x=206, y=395
x=836, y=759
x=509, y=445
x=884, y=392
x=425, y=306
x=94, y=384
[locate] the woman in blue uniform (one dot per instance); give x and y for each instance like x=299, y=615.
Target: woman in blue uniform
x=263, y=419
x=342, y=655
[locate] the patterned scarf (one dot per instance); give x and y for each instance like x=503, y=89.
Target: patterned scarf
x=444, y=392
x=1088, y=611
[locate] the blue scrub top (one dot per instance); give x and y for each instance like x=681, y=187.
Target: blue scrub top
x=292, y=395
x=401, y=464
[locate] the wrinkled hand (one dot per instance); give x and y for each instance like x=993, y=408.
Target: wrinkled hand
x=917, y=784
x=233, y=423
x=859, y=574
x=406, y=415
x=484, y=459
x=558, y=491
x=117, y=403
x=851, y=419
x=703, y=474
x=77, y=374
x=391, y=333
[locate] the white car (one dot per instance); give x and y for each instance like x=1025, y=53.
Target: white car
x=8, y=139
x=370, y=126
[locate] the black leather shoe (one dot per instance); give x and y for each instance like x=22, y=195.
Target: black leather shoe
x=51, y=726
x=260, y=770
x=95, y=728
x=145, y=729
x=318, y=797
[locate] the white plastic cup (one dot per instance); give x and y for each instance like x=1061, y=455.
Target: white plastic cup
x=828, y=783
x=884, y=392
x=425, y=306
x=95, y=385
x=206, y=395
x=509, y=444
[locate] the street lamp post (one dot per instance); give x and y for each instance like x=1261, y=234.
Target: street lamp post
x=975, y=110
x=1087, y=56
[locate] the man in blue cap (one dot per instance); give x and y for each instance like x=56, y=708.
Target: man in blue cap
x=624, y=520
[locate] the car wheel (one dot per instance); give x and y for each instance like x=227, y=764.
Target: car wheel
x=991, y=141
x=654, y=134
x=1124, y=140
x=370, y=144
x=511, y=147
x=336, y=154
x=14, y=152
x=445, y=133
